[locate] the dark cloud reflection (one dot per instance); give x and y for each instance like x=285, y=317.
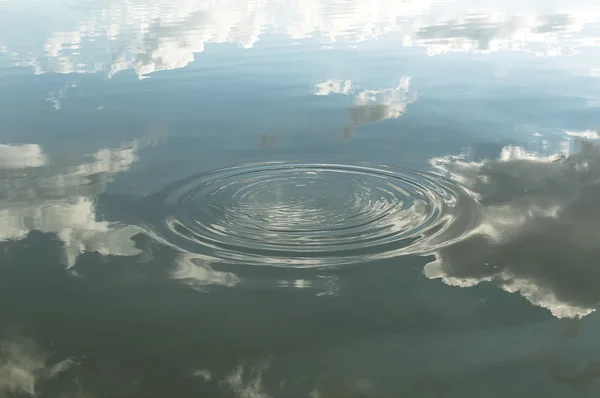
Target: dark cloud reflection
x=538, y=230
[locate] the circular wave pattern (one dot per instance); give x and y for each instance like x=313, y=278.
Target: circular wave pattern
x=304, y=214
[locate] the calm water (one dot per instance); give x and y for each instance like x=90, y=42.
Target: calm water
x=290, y=198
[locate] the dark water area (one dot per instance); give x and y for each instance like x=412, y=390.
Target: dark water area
x=317, y=199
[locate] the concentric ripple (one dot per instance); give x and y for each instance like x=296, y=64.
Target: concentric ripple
x=305, y=214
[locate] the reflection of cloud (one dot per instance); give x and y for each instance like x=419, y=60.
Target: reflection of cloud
x=324, y=285
x=205, y=374
x=60, y=199
x=197, y=273
x=157, y=35
x=333, y=87
x=55, y=97
x=23, y=363
x=375, y=105
x=488, y=32
x=539, y=218
x=245, y=385
x=20, y=156
x=162, y=35
x=249, y=381
x=57, y=196
x=588, y=135
x=370, y=106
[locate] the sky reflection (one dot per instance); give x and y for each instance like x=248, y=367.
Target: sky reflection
x=152, y=36
x=364, y=198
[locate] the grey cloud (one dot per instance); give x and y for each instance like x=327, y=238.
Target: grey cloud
x=538, y=230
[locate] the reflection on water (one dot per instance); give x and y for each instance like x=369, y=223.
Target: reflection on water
x=40, y=193
x=156, y=35
x=538, y=222
x=23, y=364
x=446, y=249
x=307, y=215
x=370, y=106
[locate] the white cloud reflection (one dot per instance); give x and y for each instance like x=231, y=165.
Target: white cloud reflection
x=197, y=273
x=323, y=285
x=486, y=31
x=333, y=87
x=21, y=156
x=55, y=195
x=370, y=105
x=55, y=97
x=23, y=363
x=375, y=105
x=37, y=194
x=153, y=35
x=536, y=236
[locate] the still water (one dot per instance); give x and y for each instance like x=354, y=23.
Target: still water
x=289, y=198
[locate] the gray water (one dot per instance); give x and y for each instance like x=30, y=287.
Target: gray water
x=318, y=199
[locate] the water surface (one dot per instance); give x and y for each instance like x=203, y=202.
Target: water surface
x=332, y=198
